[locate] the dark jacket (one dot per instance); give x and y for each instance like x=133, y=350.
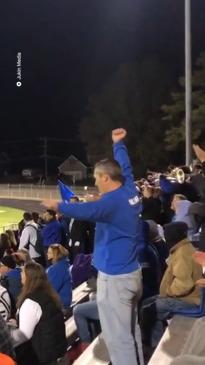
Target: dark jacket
x=198, y=181
x=48, y=342
x=151, y=209
x=81, y=238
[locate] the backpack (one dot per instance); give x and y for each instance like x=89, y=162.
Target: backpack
x=38, y=247
x=82, y=269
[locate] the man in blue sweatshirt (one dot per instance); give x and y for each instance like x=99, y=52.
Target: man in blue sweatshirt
x=117, y=240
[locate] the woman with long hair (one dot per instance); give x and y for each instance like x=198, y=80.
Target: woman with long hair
x=5, y=245
x=59, y=273
x=21, y=257
x=12, y=238
x=41, y=327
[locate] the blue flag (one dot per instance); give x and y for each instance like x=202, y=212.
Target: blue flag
x=65, y=192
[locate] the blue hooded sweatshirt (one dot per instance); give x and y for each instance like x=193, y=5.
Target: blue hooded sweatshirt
x=52, y=233
x=60, y=279
x=119, y=236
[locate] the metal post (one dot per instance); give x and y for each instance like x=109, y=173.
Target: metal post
x=188, y=82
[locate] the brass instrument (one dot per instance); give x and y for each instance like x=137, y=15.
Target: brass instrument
x=176, y=175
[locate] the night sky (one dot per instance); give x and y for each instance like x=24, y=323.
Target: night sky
x=69, y=48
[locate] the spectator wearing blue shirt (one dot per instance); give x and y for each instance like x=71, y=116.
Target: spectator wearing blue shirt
x=59, y=273
x=52, y=232
x=118, y=237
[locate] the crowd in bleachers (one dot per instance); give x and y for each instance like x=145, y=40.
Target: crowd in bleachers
x=40, y=265
x=51, y=254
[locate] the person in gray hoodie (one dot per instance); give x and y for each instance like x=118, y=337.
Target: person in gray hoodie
x=180, y=205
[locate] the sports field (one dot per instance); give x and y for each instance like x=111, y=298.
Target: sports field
x=9, y=216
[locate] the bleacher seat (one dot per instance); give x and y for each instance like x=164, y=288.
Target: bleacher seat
x=95, y=354
x=173, y=340
x=188, y=360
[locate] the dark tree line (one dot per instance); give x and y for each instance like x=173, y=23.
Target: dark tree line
x=133, y=98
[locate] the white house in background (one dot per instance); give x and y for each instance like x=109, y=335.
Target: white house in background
x=73, y=167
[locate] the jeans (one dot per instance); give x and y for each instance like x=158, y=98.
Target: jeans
x=153, y=315
x=83, y=314
x=117, y=299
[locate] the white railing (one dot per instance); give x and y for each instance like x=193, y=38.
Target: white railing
x=38, y=192
x=11, y=226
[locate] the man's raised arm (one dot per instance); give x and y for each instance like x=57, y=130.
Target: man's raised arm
x=121, y=155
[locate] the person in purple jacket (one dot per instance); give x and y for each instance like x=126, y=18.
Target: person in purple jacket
x=118, y=239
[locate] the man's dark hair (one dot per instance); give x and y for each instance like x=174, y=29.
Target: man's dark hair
x=51, y=212
x=35, y=216
x=110, y=167
x=27, y=216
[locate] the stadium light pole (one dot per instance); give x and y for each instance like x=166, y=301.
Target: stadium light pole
x=188, y=82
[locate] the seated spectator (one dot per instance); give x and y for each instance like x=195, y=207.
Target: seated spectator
x=84, y=314
x=178, y=288
x=5, y=245
x=5, y=303
x=88, y=326
x=52, y=232
x=180, y=205
x=21, y=257
x=6, y=346
x=59, y=273
x=31, y=239
x=160, y=245
x=40, y=336
x=12, y=239
x=11, y=279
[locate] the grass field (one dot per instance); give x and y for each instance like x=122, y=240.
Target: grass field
x=9, y=216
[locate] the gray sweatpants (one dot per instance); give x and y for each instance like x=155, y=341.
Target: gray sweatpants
x=117, y=298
